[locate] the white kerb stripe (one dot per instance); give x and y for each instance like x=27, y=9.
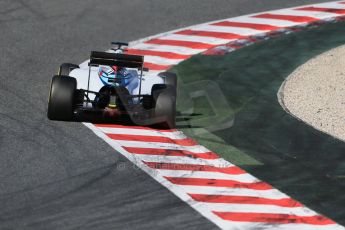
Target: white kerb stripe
x=212, y=190
x=229, y=29
x=167, y=48
x=161, y=60
x=195, y=38
x=263, y=21
x=245, y=178
x=260, y=208
x=219, y=162
x=173, y=135
x=159, y=145
x=331, y=5
x=306, y=13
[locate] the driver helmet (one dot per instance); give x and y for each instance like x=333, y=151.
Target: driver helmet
x=113, y=75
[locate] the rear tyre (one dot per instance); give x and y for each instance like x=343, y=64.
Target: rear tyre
x=157, y=89
x=66, y=68
x=123, y=99
x=61, y=98
x=169, y=78
x=165, y=107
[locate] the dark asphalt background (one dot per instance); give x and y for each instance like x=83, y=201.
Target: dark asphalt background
x=58, y=175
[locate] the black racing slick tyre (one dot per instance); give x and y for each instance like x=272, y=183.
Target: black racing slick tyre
x=169, y=78
x=66, y=68
x=157, y=89
x=165, y=108
x=61, y=98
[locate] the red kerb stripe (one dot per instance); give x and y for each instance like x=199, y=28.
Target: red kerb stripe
x=284, y=202
x=153, y=66
x=219, y=183
x=169, y=152
x=292, y=18
x=130, y=137
x=132, y=127
x=205, y=168
x=212, y=34
x=246, y=25
x=188, y=44
x=163, y=54
x=319, y=9
x=274, y=218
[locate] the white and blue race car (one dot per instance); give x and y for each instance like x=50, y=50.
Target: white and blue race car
x=112, y=85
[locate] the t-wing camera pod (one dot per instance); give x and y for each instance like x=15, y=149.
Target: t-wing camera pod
x=118, y=46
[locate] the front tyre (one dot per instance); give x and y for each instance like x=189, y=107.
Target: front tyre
x=61, y=101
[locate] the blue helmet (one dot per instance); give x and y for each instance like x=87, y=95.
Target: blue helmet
x=114, y=75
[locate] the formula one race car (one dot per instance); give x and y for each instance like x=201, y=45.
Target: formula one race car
x=113, y=88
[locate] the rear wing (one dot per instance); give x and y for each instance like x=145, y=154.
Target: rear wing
x=115, y=59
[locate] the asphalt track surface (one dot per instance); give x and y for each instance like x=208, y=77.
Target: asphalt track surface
x=59, y=175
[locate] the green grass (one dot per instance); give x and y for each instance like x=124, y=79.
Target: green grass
x=229, y=104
